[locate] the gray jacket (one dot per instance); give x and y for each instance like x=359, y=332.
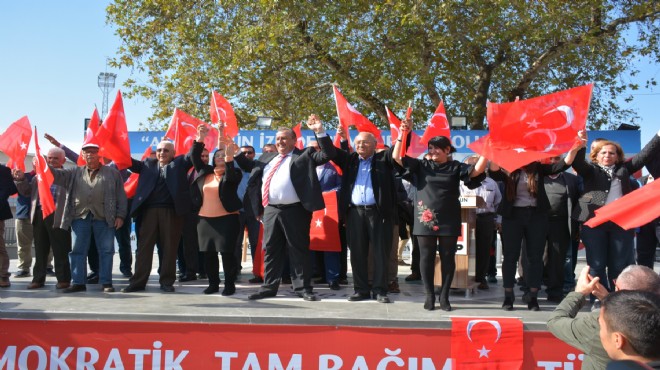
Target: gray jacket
x=582, y=332
x=114, y=197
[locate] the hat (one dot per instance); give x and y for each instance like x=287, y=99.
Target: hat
x=90, y=145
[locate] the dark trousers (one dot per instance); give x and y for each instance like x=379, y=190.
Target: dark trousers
x=610, y=249
x=163, y=226
x=252, y=226
x=558, y=242
x=45, y=238
x=364, y=226
x=429, y=246
x=492, y=259
x=484, y=240
x=343, y=256
x=286, y=231
x=123, y=237
x=414, y=262
x=189, y=245
x=93, y=256
x=647, y=242
x=532, y=226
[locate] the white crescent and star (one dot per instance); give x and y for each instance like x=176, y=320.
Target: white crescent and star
x=550, y=134
x=483, y=352
x=568, y=112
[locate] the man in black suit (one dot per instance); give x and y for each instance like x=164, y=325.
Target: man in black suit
x=563, y=193
x=161, y=201
x=7, y=188
x=284, y=191
x=367, y=201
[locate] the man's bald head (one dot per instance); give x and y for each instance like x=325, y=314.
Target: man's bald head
x=638, y=277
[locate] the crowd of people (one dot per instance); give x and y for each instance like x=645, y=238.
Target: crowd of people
x=193, y=210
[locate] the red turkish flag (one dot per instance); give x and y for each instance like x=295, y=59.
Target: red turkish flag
x=529, y=130
x=437, y=125
x=349, y=116
x=416, y=148
x=625, y=211
x=258, y=258
x=44, y=180
x=221, y=110
x=324, y=229
x=130, y=186
x=112, y=135
x=299, y=141
x=486, y=343
x=183, y=130
x=14, y=142
x=90, y=136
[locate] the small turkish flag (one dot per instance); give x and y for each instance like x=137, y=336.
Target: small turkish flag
x=486, y=343
x=45, y=180
x=625, y=211
x=324, y=229
x=349, y=116
x=416, y=148
x=297, y=129
x=222, y=111
x=437, y=125
x=14, y=142
x=90, y=136
x=183, y=130
x=112, y=135
x=258, y=258
x=540, y=127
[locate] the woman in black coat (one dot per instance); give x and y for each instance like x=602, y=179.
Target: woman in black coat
x=437, y=220
x=606, y=178
x=214, y=194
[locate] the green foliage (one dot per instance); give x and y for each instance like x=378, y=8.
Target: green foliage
x=280, y=58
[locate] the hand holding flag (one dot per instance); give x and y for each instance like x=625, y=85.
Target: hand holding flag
x=14, y=142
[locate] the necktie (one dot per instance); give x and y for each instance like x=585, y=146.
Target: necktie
x=266, y=193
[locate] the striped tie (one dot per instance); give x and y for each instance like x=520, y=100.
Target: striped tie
x=266, y=193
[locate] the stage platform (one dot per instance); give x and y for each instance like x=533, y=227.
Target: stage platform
x=189, y=304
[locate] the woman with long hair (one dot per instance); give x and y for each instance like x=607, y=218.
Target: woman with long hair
x=606, y=177
x=213, y=192
x=524, y=210
x=437, y=221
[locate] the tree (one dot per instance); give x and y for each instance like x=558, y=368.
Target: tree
x=279, y=58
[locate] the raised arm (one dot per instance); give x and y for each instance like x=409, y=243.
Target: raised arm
x=198, y=147
x=328, y=151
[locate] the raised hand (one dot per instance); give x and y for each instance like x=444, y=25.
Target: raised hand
x=314, y=123
x=52, y=140
x=17, y=174
x=341, y=132
x=202, y=131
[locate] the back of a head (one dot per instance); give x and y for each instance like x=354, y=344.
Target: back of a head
x=636, y=315
x=638, y=277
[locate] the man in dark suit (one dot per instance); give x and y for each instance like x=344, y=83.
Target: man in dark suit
x=284, y=190
x=7, y=188
x=367, y=201
x=648, y=238
x=563, y=193
x=161, y=201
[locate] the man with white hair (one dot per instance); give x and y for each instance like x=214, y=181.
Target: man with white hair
x=48, y=232
x=161, y=201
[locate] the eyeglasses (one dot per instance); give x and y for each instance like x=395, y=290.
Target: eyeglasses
x=165, y=150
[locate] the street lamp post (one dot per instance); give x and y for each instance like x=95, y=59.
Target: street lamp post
x=106, y=82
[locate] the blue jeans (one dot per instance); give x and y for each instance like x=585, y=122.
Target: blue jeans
x=610, y=249
x=103, y=236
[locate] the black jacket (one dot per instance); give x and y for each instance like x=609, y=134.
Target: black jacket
x=382, y=180
x=303, y=175
x=7, y=188
x=542, y=202
x=176, y=178
x=227, y=191
x=597, y=183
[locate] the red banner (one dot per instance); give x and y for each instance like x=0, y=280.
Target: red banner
x=51, y=344
x=487, y=343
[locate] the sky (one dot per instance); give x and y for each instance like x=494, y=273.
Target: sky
x=51, y=53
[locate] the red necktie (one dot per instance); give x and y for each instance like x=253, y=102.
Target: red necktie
x=266, y=193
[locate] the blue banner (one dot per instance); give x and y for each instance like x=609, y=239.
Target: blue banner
x=140, y=140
